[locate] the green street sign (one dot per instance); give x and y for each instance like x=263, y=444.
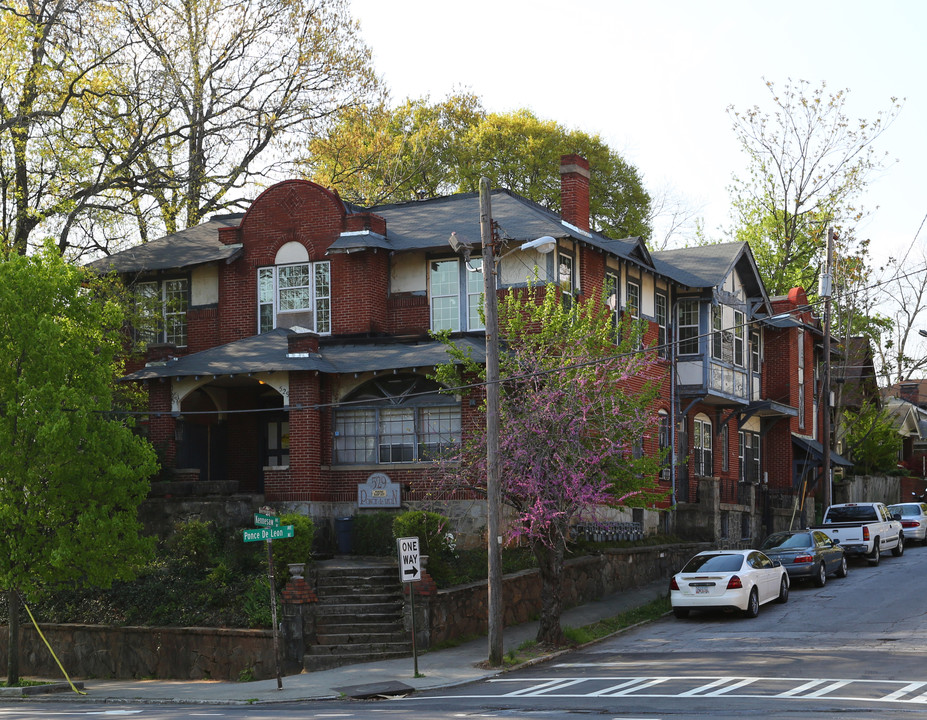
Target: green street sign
x=266, y=520
x=277, y=533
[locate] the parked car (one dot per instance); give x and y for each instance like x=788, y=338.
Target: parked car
x=728, y=579
x=863, y=530
x=913, y=520
x=806, y=554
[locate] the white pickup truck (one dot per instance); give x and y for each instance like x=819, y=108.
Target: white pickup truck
x=863, y=530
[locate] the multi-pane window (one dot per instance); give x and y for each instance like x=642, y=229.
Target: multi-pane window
x=739, y=337
x=748, y=455
x=162, y=310
x=277, y=442
x=754, y=351
x=565, y=277
x=444, y=278
x=611, y=299
x=661, y=315
x=633, y=306
x=725, y=450
x=688, y=327
x=298, y=294
x=665, y=442
x=456, y=290
x=701, y=447
x=475, y=295
x=717, y=339
x=395, y=420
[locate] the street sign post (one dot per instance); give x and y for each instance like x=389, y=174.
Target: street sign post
x=410, y=570
x=261, y=520
x=268, y=533
x=410, y=562
x=269, y=529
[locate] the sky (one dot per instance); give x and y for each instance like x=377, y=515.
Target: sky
x=654, y=79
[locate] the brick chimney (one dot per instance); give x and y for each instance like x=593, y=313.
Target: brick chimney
x=574, y=190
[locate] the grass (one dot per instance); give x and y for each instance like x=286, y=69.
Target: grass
x=25, y=683
x=530, y=649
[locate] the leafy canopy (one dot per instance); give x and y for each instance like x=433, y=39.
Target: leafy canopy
x=72, y=475
x=418, y=149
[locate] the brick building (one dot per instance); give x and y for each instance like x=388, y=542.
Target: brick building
x=288, y=350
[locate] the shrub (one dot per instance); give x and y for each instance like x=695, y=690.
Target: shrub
x=297, y=549
x=431, y=529
x=195, y=542
x=373, y=534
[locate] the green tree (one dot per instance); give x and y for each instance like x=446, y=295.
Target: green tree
x=72, y=474
x=809, y=164
x=872, y=440
x=245, y=82
x=573, y=427
x=418, y=149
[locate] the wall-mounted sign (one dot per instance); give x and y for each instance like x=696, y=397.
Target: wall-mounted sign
x=378, y=492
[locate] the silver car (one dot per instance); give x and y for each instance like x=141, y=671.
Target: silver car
x=913, y=519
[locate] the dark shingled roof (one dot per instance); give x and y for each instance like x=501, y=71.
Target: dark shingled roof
x=192, y=246
x=418, y=225
x=268, y=352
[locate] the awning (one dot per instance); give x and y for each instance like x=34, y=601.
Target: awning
x=814, y=451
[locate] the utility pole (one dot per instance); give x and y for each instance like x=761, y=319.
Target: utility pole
x=825, y=292
x=493, y=485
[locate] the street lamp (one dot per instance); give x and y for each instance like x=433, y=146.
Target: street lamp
x=542, y=245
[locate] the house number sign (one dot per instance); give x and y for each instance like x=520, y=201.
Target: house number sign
x=378, y=492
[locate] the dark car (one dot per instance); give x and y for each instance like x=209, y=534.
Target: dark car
x=806, y=554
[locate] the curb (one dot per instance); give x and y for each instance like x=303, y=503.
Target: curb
x=38, y=689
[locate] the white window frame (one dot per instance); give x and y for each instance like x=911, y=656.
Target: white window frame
x=740, y=357
x=686, y=308
x=456, y=307
x=172, y=296
x=701, y=446
x=661, y=315
x=318, y=290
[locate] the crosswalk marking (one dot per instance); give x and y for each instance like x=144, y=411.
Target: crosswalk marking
x=862, y=690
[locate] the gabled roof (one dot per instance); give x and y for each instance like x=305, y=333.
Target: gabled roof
x=427, y=224
x=269, y=352
x=193, y=246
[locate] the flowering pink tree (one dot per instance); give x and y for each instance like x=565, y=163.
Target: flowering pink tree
x=575, y=410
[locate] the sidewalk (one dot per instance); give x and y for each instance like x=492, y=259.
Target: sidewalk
x=439, y=668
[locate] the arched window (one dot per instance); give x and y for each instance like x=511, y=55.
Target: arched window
x=395, y=419
x=701, y=446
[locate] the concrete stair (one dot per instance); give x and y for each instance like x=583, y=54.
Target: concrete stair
x=358, y=616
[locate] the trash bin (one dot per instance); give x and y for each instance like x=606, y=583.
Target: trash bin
x=344, y=534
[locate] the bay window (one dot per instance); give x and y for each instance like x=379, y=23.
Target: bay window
x=396, y=420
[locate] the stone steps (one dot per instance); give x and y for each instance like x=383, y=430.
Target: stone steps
x=358, y=617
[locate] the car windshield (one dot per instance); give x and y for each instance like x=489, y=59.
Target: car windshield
x=714, y=563
x=853, y=513
x=904, y=510
x=783, y=541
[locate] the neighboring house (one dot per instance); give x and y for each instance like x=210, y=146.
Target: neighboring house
x=794, y=356
x=288, y=351
x=911, y=423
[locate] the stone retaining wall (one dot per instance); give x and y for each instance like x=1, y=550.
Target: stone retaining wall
x=96, y=651
x=461, y=611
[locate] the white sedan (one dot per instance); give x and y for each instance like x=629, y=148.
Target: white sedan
x=913, y=520
x=728, y=579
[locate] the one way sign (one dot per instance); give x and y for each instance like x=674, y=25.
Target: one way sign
x=410, y=563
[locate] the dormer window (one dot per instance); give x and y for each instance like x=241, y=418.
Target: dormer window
x=295, y=294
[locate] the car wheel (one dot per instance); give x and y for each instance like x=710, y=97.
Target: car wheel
x=753, y=604
x=898, y=550
x=842, y=570
x=783, y=591
x=822, y=575
x=876, y=555
x=681, y=613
